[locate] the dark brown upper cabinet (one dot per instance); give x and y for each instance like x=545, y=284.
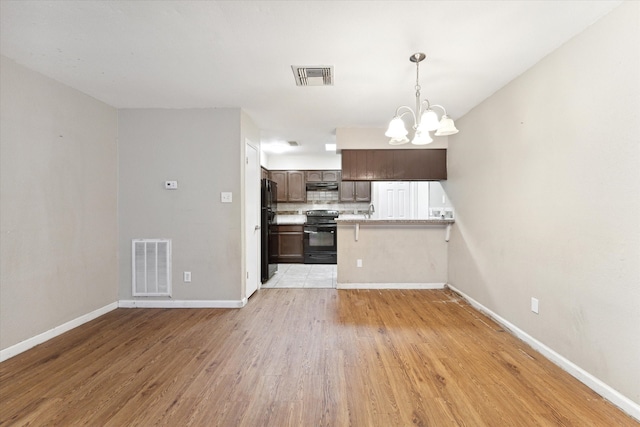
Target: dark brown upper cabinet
x=291, y=185
x=394, y=165
x=297, y=186
x=355, y=191
x=280, y=178
x=323, y=176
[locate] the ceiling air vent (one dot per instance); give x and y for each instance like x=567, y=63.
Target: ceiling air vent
x=313, y=75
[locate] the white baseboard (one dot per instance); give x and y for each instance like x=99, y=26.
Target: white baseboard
x=182, y=303
x=604, y=390
x=25, y=345
x=52, y=333
x=390, y=285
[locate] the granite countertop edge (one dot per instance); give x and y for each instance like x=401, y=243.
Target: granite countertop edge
x=396, y=221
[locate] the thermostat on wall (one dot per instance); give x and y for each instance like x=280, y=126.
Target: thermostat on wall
x=171, y=185
x=226, y=197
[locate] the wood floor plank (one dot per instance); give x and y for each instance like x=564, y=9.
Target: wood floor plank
x=297, y=357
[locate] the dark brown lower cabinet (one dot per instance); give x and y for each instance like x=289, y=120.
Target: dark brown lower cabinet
x=286, y=244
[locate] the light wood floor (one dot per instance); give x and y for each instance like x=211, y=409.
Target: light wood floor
x=297, y=357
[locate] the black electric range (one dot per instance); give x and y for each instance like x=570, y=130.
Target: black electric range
x=320, y=237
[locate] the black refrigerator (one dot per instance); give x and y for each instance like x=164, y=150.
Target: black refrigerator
x=267, y=218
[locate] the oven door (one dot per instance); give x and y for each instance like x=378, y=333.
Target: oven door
x=320, y=243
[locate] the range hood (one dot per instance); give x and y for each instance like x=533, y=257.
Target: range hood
x=322, y=186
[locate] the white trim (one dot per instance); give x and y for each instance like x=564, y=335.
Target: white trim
x=595, y=384
x=390, y=285
x=52, y=333
x=182, y=303
x=25, y=345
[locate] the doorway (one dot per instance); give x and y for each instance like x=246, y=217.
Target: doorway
x=307, y=276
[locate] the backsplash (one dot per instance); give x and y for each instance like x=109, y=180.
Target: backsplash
x=323, y=197
x=301, y=208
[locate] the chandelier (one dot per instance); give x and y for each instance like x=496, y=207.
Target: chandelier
x=425, y=118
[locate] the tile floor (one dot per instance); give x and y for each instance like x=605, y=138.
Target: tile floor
x=303, y=276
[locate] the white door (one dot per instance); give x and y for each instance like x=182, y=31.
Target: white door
x=393, y=200
x=252, y=219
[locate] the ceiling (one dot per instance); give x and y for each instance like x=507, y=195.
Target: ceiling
x=185, y=54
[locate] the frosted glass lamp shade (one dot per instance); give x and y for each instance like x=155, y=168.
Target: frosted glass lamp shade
x=429, y=120
x=398, y=141
x=396, y=129
x=446, y=127
x=421, y=138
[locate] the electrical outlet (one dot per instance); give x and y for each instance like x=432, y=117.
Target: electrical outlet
x=359, y=263
x=534, y=305
x=187, y=276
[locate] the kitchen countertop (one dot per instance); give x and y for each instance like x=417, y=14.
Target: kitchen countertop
x=360, y=219
x=369, y=221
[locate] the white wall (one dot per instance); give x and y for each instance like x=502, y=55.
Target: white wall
x=58, y=204
x=201, y=149
x=346, y=138
x=284, y=161
x=373, y=138
x=545, y=179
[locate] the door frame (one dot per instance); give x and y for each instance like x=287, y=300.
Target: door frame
x=251, y=205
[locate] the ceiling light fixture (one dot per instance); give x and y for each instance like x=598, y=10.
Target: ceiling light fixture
x=425, y=118
x=278, y=147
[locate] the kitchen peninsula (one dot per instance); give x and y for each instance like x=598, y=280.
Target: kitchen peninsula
x=400, y=254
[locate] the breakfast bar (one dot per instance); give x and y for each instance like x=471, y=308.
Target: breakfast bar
x=394, y=254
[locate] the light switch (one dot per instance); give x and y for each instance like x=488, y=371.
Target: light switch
x=535, y=305
x=226, y=197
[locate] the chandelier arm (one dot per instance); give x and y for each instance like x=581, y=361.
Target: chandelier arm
x=425, y=101
x=441, y=107
x=409, y=110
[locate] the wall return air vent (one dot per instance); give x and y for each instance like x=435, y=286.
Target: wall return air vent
x=151, y=267
x=318, y=75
